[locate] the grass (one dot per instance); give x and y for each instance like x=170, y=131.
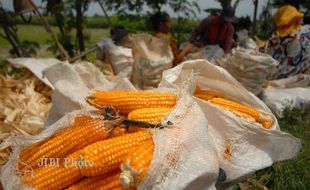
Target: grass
x=38, y=33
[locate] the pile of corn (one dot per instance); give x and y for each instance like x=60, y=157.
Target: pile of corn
x=103, y=153
x=24, y=105
x=97, y=152
x=243, y=111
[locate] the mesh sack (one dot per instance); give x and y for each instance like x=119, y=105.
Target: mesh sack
x=242, y=147
x=183, y=157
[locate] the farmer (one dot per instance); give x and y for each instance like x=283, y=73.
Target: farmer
x=161, y=24
x=290, y=43
x=216, y=30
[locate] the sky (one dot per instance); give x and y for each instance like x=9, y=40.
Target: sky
x=245, y=8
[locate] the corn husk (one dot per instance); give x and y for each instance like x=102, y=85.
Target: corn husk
x=24, y=105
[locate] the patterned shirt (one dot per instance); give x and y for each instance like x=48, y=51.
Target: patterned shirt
x=292, y=52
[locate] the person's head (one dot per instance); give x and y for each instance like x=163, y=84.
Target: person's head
x=228, y=14
x=161, y=22
x=118, y=33
x=288, y=19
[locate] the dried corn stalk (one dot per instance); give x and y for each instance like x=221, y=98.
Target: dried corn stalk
x=24, y=104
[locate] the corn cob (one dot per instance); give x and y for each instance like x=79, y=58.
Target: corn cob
x=267, y=124
x=118, y=131
x=30, y=150
x=149, y=115
x=197, y=89
x=104, y=182
x=205, y=96
x=127, y=101
x=52, y=177
x=82, y=133
x=231, y=105
x=106, y=155
x=136, y=164
x=208, y=93
x=245, y=116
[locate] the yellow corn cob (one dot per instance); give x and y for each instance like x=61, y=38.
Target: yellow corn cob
x=150, y=115
x=136, y=164
x=30, y=150
x=127, y=101
x=231, y=105
x=52, y=177
x=105, y=182
x=267, y=124
x=211, y=93
x=118, y=131
x=245, y=116
x=82, y=133
x=205, y=96
x=106, y=155
x=197, y=89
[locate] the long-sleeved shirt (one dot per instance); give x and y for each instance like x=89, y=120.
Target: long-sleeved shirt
x=292, y=52
x=213, y=30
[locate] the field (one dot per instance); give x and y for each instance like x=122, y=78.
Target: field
x=291, y=174
x=37, y=33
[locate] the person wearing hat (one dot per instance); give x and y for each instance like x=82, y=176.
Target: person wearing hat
x=216, y=30
x=290, y=43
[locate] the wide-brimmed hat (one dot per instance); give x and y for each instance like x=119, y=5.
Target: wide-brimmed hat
x=288, y=19
x=228, y=13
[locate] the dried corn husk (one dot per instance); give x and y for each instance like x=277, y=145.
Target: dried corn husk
x=24, y=104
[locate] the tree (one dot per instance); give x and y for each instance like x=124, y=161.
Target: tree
x=56, y=8
x=69, y=14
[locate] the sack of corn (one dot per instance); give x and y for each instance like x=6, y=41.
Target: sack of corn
x=151, y=57
x=251, y=68
x=293, y=92
x=120, y=58
x=209, y=52
x=242, y=129
x=135, y=139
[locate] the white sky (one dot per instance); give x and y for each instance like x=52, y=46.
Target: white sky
x=245, y=7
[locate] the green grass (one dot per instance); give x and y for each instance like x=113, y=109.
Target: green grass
x=38, y=33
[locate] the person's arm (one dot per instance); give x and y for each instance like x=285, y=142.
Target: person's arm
x=229, y=39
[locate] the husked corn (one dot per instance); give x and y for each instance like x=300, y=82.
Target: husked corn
x=107, y=181
x=52, y=177
x=106, y=155
x=127, y=101
x=84, y=131
x=136, y=164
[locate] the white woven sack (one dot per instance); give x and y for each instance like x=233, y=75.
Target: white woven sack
x=151, y=57
x=250, y=68
x=293, y=92
x=183, y=157
x=119, y=57
x=242, y=147
x=73, y=83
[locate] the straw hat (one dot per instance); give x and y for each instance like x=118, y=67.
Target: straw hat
x=288, y=19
